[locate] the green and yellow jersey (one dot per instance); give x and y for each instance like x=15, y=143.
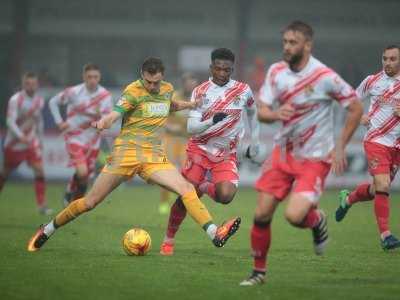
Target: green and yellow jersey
x=144, y=118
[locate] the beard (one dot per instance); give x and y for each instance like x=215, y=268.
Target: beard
x=391, y=71
x=294, y=59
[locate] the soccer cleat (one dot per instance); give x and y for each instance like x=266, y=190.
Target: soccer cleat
x=256, y=278
x=343, y=205
x=38, y=240
x=390, y=243
x=167, y=249
x=225, y=231
x=320, y=235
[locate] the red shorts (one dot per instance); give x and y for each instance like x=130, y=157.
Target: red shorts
x=382, y=159
x=13, y=158
x=198, y=164
x=79, y=155
x=280, y=173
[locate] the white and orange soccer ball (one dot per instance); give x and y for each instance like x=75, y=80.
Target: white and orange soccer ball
x=136, y=241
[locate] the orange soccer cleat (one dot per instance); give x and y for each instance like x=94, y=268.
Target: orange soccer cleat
x=167, y=249
x=225, y=231
x=37, y=240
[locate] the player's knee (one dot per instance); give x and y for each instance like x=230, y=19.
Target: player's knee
x=293, y=217
x=224, y=198
x=186, y=187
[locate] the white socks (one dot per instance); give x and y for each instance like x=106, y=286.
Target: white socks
x=211, y=231
x=49, y=228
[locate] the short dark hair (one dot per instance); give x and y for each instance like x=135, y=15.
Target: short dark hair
x=393, y=46
x=153, y=65
x=29, y=74
x=223, y=54
x=302, y=27
x=90, y=67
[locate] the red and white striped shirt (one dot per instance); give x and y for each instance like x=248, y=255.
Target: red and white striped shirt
x=233, y=99
x=384, y=94
x=83, y=107
x=24, y=118
x=309, y=133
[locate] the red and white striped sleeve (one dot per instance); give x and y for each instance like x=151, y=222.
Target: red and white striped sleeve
x=268, y=92
x=12, y=115
x=61, y=98
x=340, y=90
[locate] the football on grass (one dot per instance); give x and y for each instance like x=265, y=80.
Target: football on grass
x=136, y=241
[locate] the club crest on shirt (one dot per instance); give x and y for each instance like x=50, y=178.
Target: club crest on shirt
x=308, y=90
x=236, y=101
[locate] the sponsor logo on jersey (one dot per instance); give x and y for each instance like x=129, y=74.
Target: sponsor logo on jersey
x=153, y=109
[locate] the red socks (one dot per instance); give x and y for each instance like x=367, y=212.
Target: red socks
x=311, y=220
x=176, y=217
x=40, y=188
x=260, y=242
x=361, y=193
x=381, y=205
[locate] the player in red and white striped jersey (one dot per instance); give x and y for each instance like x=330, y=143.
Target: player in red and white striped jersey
x=86, y=103
x=381, y=143
x=24, y=133
x=216, y=127
x=300, y=92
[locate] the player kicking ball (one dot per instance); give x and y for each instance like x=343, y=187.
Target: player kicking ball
x=304, y=90
x=381, y=144
x=144, y=105
x=216, y=126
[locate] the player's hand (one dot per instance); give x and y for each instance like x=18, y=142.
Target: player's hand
x=63, y=126
x=218, y=117
x=365, y=121
x=397, y=110
x=101, y=124
x=285, y=112
x=197, y=103
x=339, y=160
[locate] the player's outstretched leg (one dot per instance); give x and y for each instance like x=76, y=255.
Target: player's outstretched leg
x=104, y=184
x=173, y=181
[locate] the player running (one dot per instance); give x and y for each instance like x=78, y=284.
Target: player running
x=304, y=90
x=175, y=136
x=144, y=107
x=23, y=140
x=381, y=144
x=86, y=103
x=216, y=126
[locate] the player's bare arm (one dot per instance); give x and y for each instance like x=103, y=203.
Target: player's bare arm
x=107, y=121
x=365, y=120
x=177, y=105
x=354, y=114
x=267, y=115
x=254, y=127
x=397, y=110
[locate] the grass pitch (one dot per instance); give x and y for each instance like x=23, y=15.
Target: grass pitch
x=85, y=260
